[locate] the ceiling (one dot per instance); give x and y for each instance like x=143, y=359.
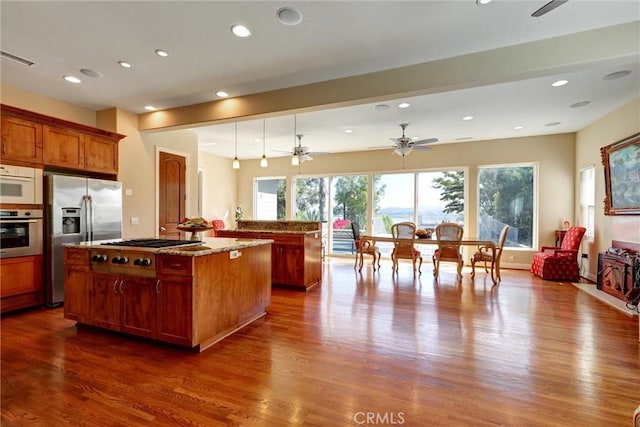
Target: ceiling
x=334, y=40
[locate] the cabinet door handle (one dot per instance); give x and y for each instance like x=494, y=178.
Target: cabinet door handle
x=158, y=286
x=121, y=287
x=115, y=287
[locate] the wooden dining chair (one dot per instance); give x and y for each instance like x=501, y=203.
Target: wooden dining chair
x=404, y=239
x=449, y=238
x=364, y=247
x=485, y=254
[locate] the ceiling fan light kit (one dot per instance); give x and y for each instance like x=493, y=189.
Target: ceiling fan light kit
x=405, y=145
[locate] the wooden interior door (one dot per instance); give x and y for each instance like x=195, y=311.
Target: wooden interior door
x=172, y=194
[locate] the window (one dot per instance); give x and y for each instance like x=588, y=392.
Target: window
x=310, y=199
x=269, y=203
x=440, y=198
x=393, y=200
x=587, y=200
x=506, y=196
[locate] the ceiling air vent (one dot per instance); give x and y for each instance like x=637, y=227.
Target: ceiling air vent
x=16, y=58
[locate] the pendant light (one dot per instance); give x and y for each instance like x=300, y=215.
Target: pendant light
x=295, y=160
x=236, y=162
x=263, y=161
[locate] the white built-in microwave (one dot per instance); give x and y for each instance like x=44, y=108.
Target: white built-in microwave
x=21, y=185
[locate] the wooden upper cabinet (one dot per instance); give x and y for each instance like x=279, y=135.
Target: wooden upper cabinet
x=100, y=154
x=34, y=139
x=63, y=147
x=21, y=140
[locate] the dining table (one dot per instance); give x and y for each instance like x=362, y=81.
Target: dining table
x=466, y=241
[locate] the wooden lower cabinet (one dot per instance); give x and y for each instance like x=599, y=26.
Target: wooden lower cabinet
x=124, y=303
x=296, y=258
x=193, y=301
x=20, y=282
x=77, y=293
x=288, y=264
x=175, y=309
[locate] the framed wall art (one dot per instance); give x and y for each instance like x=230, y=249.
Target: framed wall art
x=621, y=162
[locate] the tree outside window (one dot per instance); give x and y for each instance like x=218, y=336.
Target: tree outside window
x=505, y=197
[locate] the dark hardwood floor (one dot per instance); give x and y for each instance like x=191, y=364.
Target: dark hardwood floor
x=362, y=349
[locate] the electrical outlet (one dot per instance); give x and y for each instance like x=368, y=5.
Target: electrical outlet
x=585, y=256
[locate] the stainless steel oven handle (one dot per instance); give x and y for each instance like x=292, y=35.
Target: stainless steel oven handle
x=14, y=221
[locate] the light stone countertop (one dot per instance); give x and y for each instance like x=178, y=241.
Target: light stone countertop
x=272, y=231
x=209, y=245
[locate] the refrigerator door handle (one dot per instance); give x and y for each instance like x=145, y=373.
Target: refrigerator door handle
x=85, y=208
x=90, y=217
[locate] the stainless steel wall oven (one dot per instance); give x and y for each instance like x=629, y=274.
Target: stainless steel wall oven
x=20, y=232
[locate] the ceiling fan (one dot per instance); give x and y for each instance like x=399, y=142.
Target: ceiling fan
x=405, y=145
x=301, y=153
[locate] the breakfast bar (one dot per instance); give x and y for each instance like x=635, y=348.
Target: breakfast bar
x=296, y=253
x=192, y=294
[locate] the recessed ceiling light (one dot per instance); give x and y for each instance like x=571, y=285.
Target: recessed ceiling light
x=72, y=79
x=289, y=16
x=162, y=53
x=558, y=83
x=240, y=31
x=257, y=140
x=222, y=94
x=124, y=64
x=482, y=2
x=381, y=107
x=553, y=124
x=467, y=118
x=150, y=108
x=518, y=127
x=404, y=105
x=348, y=131
x=579, y=104
x=91, y=73
x=617, y=75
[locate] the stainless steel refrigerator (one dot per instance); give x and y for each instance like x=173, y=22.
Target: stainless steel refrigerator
x=78, y=209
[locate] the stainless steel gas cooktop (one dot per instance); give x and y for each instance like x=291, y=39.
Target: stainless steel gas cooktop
x=152, y=243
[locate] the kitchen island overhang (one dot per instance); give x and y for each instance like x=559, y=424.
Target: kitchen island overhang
x=192, y=296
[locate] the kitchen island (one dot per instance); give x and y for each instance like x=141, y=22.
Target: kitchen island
x=193, y=295
x=296, y=253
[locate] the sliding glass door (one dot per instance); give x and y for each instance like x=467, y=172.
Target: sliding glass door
x=349, y=195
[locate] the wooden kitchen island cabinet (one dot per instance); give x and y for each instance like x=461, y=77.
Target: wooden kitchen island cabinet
x=196, y=296
x=296, y=253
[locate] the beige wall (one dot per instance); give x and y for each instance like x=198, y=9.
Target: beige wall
x=554, y=156
x=220, y=188
x=49, y=106
x=613, y=127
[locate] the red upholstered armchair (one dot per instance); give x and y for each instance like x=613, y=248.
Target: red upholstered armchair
x=560, y=263
x=217, y=224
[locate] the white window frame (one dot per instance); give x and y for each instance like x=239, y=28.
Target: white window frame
x=587, y=200
x=535, y=202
